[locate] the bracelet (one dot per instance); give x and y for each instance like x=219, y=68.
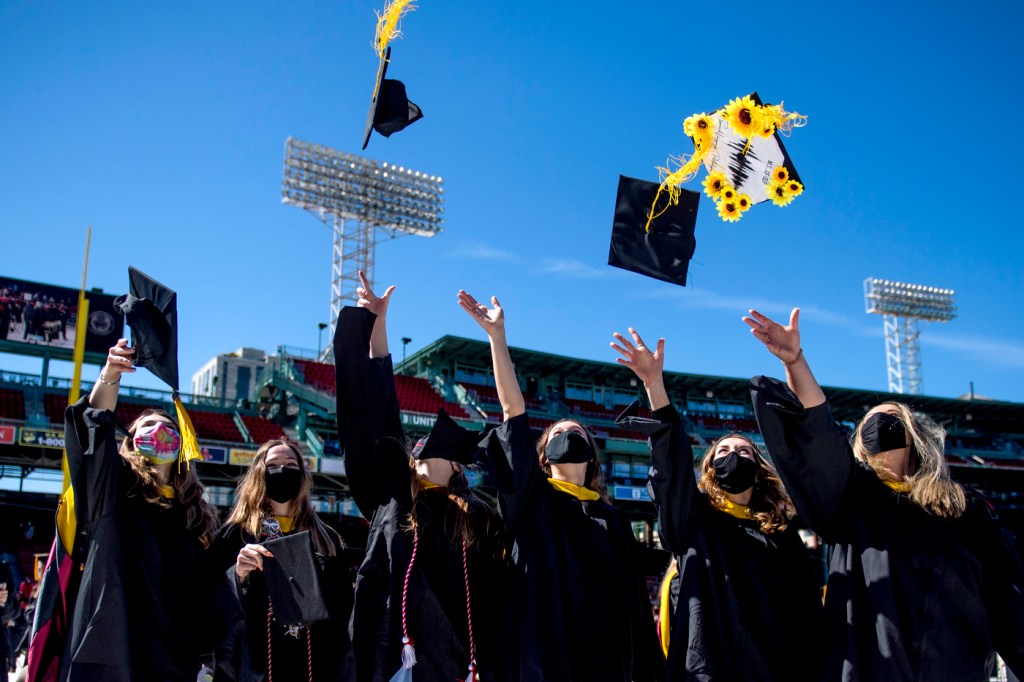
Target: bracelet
x=794, y=360
x=108, y=383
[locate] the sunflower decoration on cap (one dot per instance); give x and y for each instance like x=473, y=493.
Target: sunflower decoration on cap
x=747, y=163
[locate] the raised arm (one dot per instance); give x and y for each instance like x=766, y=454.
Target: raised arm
x=378, y=305
x=104, y=391
x=672, y=481
x=492, y=321
x=784, y=343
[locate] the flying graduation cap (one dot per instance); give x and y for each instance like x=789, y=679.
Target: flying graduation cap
x=448, y=440
x=390, y=108
x=151, y=311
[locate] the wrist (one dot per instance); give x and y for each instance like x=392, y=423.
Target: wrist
x=109, y=377
x=797, y=358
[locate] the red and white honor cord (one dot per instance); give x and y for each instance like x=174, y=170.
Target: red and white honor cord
x=408, y=652
x=270, y=657
x=469, y=615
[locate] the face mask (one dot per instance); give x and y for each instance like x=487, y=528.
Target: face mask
x=569, y=447
x=882, y=432
x=283, y=483
x=158, y=443
x=734, y=473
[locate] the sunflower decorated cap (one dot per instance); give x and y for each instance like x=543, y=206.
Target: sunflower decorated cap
x=151, y=311
x=390, y=108
x=660, y=247
x=741, y=148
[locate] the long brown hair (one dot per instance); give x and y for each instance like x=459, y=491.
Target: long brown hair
x=596, y=482
x=931, y=486
x=769, y=505
x=252, y=504
x=200, y=517
x=473, y=517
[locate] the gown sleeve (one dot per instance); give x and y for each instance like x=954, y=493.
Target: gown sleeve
x=811, y=454
x=94, y=463
x=671, y=481
x=369, y=424
x=512, y=457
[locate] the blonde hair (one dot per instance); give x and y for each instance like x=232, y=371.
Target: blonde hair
x=596, y=482
x=200, y=516
x=769, y=504
x=252, y=504
x=931, y=486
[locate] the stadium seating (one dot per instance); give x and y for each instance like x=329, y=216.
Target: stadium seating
x=12, y=404
x=317, y=374
x=417, y=395
x=261, y=429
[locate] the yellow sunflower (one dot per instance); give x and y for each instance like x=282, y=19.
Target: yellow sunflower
x=696, y=124
x=744, y=117
x=728, y=193
x=743, y=203
x=779, y=195
x=779, y=175
x=729, y=210
x=794, y=188
x=714, y=183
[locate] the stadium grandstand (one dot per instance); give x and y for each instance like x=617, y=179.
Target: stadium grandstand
x=293, y=395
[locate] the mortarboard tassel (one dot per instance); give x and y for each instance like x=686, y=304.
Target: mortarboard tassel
x=387, y=24
x=189, y=442
x=700, y=128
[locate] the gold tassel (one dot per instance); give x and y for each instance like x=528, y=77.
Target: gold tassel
x=387, y=23
x=700, y=129
x=189, y=442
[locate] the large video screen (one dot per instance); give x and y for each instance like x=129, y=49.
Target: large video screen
x=46, y=315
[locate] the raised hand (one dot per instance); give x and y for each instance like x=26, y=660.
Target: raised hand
x=491, y=320
x=782, y=342
x=646, y=364
x=378, y=305
x=119, y=361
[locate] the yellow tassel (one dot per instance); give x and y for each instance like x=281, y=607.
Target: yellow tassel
x=67, y=522
x=777, y=118
x=189, y=442
x=673, y=180
x=387, y=23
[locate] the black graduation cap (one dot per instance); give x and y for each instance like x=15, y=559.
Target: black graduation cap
x=448, y=440
x=151, y=311
x=665, y=250
x=390, y=108
x=293, y=581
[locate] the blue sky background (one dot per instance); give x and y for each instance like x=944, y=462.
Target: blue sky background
x=163, y=126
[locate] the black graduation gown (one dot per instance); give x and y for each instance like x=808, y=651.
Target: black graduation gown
x=911, y=596
x=143, y=600
x=579, y=606
x=329, y=641
x=750, y=602
x=380, y=482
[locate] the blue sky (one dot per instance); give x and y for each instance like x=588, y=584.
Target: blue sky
x=163, y=126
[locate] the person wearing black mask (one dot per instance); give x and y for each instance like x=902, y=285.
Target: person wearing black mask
x=580, y=609
x=749, y=604
x=273, y=501
x=924, y=583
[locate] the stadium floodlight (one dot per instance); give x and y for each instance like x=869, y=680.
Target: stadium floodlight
x=360, y=196
x=902, y=307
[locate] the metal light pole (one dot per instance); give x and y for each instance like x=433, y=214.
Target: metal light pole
x=320, y=339
x=359, y=196
x=902, y=307
x=405, y=342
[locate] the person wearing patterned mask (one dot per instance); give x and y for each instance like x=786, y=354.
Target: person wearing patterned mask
x=748, y=604
x=273, y=501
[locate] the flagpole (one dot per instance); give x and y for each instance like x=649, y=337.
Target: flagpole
x=80, y=331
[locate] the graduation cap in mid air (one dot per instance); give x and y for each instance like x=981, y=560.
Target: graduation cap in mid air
x=390, y=108
x=151, y=311
x=661, y=247
x=293, y=581
x=448, y=440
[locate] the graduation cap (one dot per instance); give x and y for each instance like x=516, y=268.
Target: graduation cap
x=390, y=108
x=293, y=581
x=151, y=311
x=743, y=152
x=660, y=247
x=448, y=440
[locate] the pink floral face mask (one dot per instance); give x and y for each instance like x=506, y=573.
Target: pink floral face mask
x=158, y=443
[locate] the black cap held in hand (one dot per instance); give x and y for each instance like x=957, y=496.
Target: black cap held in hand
x=664, y=252
x=151, y=310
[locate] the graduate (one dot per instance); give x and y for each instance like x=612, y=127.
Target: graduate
x=580, y=609
x=428, y=596
x=923, y=584
x=130, y=592
x=273, y=501
x=751, y=605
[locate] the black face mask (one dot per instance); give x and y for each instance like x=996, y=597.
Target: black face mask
x=283, y=483
x=734, y=473
x=569, y=447
x=882, y=432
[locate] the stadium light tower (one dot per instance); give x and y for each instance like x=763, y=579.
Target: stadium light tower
x=902, y=307
x=359, y=196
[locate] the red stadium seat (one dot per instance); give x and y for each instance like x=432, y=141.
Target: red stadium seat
x=12, y=404
x=261, y=429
